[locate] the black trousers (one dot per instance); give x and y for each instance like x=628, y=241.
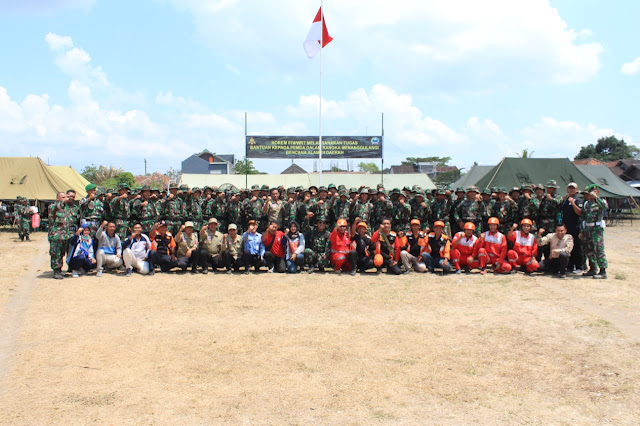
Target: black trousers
x=275, y=262
x=576, y=261
x=162, y=260
x=184, y=262
x=230, y=262
x=249, y=260
x=364, y=263
x=206, y=260
x=558, y=264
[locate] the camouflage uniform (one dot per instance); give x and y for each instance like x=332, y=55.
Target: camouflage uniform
x=381, y=209
x=252, y=210
x=23, y=215
x=470, y=211
x=548, y=213
x=421, y=211
x=121, y=211
x=59, y=232
x=215, y=208
x=441, y=211
x=146, y=214
x=194, y=211
x=290, y=211
x=317, y=249
x=340, y=210
x=92, y=213
x=232, y=214
x=528, y=209
x=171, y=213
x=320, y=209
x=506, y=212
x=593, y=215
x=360, y=209
x=401, y=217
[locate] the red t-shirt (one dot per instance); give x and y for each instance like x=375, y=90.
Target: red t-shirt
x=277, y=248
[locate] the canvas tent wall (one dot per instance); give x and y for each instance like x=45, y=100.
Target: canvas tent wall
x=603, y=176
x=75, y=180
x=472, y=177
x=519, y=171
x=303, y=179
x=31, y=178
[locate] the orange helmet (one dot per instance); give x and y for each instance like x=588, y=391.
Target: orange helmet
x=494, y=221
x=470, y=225
x=341, y=222
x=360, y=224
x=526, y=221
x=438, y=223
x=378, y=260
x=415, y=222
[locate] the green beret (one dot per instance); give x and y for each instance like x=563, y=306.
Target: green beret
x=90, y=187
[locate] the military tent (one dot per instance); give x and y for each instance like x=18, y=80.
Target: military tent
x=512, y=172
x=603, y=176
x=306, y=179
x=470, y=178
x=31, y=178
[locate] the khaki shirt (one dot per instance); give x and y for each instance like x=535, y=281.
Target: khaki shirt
x=212, y=243
x=186, y=243
x=564, y=245
x=273, y=211
x=234, y=246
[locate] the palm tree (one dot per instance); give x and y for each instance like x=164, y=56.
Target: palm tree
x=525, y=153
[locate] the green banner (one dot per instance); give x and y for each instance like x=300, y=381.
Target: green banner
x=308, y=147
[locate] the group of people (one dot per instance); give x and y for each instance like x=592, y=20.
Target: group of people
x=528, y=228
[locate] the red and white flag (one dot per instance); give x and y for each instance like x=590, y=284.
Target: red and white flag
x=312, y=43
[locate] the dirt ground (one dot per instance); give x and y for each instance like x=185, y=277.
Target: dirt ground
x=282, y=349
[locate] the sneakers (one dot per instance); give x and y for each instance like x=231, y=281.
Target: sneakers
x=578, y=272
x=246, y=271
x=270, y=270
x=601, y=275
x=152, y=272
x=205, y=271
x=353, y=272
x=57, y=274
x=562, y=276
x=129, y=272
x=458, y=271
x=229, y=272
x=99, y=273
x=75, y=274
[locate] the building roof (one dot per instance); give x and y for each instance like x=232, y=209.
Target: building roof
x=608, y=180
x=31, y=178
x=472, y=177
x=307, y=179
x=589, y=161
x=403, y=169
x=293, y=169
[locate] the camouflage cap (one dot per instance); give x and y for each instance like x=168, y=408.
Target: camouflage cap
x=322, y=188
x=372, y=191
x=321, y=219
x=552, y=184
x=145, y=188
x=493, y=189
x=364, y=190
x=173, y=186
x=395, y=191
x=537, y=186
x=291, y=190
x=331, y=185
x=352, y=190
x=264, y=187
x=196, y=189
x=441, y=191
x=406, y=188
x=515, y=189
x=123, y=186
x=343, y=192
x=342, y=187
x=255, y=187
x=473, y=189
x=526, y=188
x=485, y=191
x=299, y=188
x=459, y=189
x=503, y=190
x=382, y=191
x=184, y=188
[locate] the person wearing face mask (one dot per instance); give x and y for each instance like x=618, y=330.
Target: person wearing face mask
x=82, y=258
x=561, y=245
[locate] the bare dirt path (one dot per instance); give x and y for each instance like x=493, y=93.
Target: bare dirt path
x=12, y=316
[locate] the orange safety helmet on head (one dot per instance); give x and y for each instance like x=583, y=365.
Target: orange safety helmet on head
x=378, y=260
x=470, y=225
x=361, y=224
x=341, y=222
x=494, y=221
x=526, y=221
x=415, y=222
x=438, y=223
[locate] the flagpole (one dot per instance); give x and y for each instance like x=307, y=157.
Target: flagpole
x=320, y=114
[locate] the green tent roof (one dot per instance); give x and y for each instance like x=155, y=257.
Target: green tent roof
x=472, y=177
x=608, y=180
x=519, y=171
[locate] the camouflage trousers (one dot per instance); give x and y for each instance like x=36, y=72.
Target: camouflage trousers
x=594, y=246
x=24, y=226
x=311, y=258
x=147, y=225
x=122, y=228
x=58, y=246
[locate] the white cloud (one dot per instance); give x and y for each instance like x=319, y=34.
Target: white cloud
x=463, y=44
x=631, y=68
x=57, y=42
x=484, y=128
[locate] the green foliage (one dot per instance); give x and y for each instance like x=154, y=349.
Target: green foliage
x=111, y=183
x=525, y=154
x=245, y=166
x=446, y=178
x=368, y=167
x=608, y=149
x=99, y=174
x=441, y=161
x=127, y=178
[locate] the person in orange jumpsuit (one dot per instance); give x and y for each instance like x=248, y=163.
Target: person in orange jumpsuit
x=493, y=249
x=525, y=247
x=465, y=249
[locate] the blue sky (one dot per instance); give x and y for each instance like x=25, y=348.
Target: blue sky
x=112, y=82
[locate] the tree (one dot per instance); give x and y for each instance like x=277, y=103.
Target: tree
x=245, y=166
x=525, y=153
x=100, y=174
x=368, y=167
x=127, y=178
x=440, y=161
x=174, y=174
x=608, y=149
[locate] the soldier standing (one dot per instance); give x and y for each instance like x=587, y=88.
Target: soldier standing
x=361, y=207
x=91, y=209
x=121, y=211
x=59, y=233
x=171, y=209
x=504, y=208
x=194, y=207
x=421, y=209
x=401, y=214
x=23, y=218
x=145, y=210
x=548, y=212
x=441, y=211
x=252, y=208
x=593, y=211
x=455, y=226
x=470, y=210
x=317, y=252
x=233, y=211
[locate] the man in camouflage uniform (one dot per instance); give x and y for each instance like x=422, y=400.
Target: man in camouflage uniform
x=550, y=208
x=401, y=214
x=252, y=209
x=321, y=207
x=216, y=208
x=382, y=208
x=420, y=209
x=361, y=208
x=317, y=252
x=441, y=211
x=59, y=233
x=194, y=207
x=528, y=206
x=340, y=207
x=172, y=210
x=91, y=209
x=593, y=212
x=455, y=203
x=470, y=210
x=23, y=218
x=144, y=210
x=506, y=210
x=233, y=211
x=290, y=207
x=121, y=211
x=488, y=201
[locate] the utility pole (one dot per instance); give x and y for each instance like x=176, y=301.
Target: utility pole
x=145, y=166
